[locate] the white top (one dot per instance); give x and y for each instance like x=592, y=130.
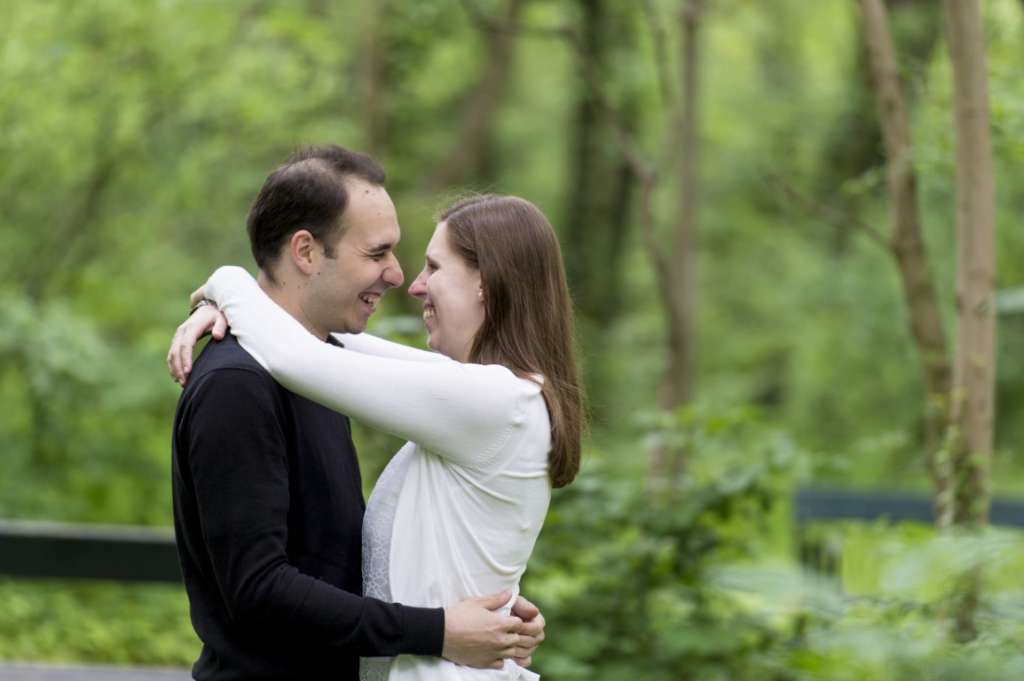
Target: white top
x=457, y=511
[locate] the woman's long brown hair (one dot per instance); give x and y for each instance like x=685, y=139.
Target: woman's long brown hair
x=528, y=320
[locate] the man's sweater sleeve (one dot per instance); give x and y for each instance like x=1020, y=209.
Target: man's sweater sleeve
x=239, y=467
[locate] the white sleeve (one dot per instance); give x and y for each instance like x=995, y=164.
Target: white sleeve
x=464, y=412
x=368, y=344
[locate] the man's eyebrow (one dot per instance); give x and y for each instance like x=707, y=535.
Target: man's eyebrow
x=381, y=248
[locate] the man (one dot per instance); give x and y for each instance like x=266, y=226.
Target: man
x=267, y=492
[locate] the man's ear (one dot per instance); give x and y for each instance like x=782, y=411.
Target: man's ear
x=304, y=251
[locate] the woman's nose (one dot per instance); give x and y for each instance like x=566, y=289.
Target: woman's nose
x=418, y=288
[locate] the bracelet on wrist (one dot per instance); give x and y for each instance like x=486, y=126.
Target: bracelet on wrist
x=202, y=303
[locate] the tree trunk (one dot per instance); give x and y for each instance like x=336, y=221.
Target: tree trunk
x=855, y=144
x=599, y=201
x=469, y=151
x=676, y=276
x=908, y=248
x=680, y=295
x=974, y=369
x=974, y=374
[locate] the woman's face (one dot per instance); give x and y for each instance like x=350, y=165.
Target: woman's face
x=453, y=307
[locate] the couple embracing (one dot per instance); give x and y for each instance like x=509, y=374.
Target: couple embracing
x=289, y=575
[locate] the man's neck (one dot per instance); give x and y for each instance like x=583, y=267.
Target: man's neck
x=287, y=299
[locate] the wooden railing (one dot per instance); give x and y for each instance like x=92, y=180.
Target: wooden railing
x=822, y=552
x=108, y=552
x=30, y=549
x=44, y=550
x=813, y=504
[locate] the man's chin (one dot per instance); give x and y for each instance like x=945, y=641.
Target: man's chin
x=353, y=326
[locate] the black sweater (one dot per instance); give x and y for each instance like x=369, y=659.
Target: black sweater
x=268, y=511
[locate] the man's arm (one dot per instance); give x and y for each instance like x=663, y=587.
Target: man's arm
x=240, y=476
x=468, y=637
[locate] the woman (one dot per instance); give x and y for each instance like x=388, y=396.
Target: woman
x=493, y=418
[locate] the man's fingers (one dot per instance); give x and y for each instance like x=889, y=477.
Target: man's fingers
x=527, y=645
x=524, y=609
x=514, y=647
x=518, y=650
x=534, y=628
x=520, y=653
x=512, y=625
x=523, y=661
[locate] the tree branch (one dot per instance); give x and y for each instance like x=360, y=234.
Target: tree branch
x=658, y=38
x=828, y=214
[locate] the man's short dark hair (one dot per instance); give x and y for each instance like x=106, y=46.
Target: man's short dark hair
x=307, y=192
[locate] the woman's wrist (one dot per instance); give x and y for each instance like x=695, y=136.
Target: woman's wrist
x=201, y=303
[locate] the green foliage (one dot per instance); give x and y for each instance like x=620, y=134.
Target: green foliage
x=624, y=575
x=80, y=418
x=134, y=136
x=118, y=624
x=694, y=589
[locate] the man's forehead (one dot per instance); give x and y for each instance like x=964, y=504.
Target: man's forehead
x=360, y=191
x=373, y=233
x=370, y=212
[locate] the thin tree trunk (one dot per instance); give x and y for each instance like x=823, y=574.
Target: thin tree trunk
x=599, y=200
x=470, y=146
x=583, y=177
x=908, y=249
x=681, y=295
x=676, y=276
x=974, y=374
x=972, y=404
x=855, y=145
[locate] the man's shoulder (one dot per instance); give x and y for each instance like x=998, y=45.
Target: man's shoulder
x=225, y=354
x=223, y=363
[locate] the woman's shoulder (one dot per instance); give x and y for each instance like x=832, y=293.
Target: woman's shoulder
x=499, y=377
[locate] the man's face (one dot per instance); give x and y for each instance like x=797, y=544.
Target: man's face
x=344, y=290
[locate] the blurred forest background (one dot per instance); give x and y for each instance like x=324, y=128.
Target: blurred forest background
x=723, y=181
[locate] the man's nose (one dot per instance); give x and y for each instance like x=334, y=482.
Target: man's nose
x=393, y=273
